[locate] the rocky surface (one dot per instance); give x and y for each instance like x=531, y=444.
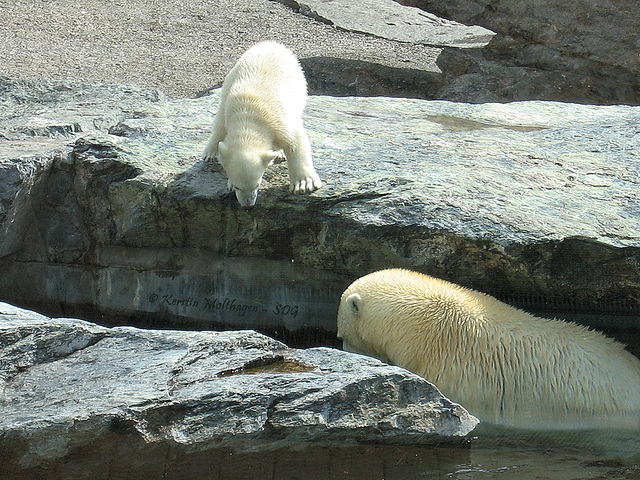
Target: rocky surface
x=69, y=386
x=181, y=47
x=186, y=48
x=581, y=51
x=109, y=211
x=387, y=19
x=602, y=32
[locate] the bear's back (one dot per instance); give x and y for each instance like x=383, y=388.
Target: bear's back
x=503, y=364
x=272, y=72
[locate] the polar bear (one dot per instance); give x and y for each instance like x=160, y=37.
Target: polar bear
x=504, y=365
x=260, y=119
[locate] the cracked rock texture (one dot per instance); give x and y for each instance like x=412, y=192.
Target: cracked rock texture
x=599, y=31
x=583, y=51
x=69, y=386
x=108, y=212
x=387, y=19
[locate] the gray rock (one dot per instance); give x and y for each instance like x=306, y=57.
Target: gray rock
x=588, y=52
x=522, y=62
x=37, y=120
x=514, y=70
x=534, y=202
x=68, y=384
x=603, y=33
x=388, y=19
x=21, y=192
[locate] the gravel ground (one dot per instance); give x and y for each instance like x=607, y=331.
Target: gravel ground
x=182, y=47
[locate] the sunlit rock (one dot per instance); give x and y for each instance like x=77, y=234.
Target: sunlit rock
x=69, y=386
x=533, y=202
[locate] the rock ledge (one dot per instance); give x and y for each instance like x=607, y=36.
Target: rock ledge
x=68, y=384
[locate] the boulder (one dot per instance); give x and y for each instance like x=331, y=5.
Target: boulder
x=70, y=386
x=533, y=202
x=604, y=33
x=509, y=69
x=584, y=51
x=388, y=19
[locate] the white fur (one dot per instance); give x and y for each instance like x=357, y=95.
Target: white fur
x=506, y=366
x=260, y=119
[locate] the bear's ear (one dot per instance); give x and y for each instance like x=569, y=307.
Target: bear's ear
x=354, y=302
x=269, y=156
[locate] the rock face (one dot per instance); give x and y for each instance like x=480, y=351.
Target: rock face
x=108, y=212
x=584, y=51
x=387, y=19
x=38, y=119
x=69, y=386
x=571, y=52
x=597, y=31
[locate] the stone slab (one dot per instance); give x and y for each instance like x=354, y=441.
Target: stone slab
x=66, y=385
x=390, y=20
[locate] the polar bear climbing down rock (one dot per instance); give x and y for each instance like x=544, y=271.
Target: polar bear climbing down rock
x=504, y=365
x=260, y=119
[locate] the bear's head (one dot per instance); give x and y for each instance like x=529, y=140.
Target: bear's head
x=349, y=316
x=366, y=318
x=400, y=317
x=244, y=169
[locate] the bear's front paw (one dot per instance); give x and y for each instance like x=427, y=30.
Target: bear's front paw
x=209, y=154
x=305, y=185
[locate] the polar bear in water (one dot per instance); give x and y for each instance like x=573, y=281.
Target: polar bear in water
x=260, y=119
x=504, y=365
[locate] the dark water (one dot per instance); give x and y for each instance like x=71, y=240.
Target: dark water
x=481, y=460
x=402, y=463
x=484, y=457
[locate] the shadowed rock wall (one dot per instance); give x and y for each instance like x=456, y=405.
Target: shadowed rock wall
x=575, y=51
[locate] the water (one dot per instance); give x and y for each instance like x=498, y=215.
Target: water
x=113, y=459
x=491, y=453
x=477, y=461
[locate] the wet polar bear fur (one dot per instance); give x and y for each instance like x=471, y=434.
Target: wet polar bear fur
x=504, y=365
x=260, y=119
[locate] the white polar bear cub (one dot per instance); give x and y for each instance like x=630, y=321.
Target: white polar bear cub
x=260, y=119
